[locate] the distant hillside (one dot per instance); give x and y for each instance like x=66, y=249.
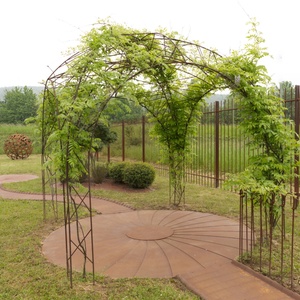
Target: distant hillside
x=36, y=89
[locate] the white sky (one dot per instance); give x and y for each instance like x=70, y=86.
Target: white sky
x=35, y=33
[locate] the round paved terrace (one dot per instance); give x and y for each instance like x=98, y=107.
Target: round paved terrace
x=198, y=248
x=152, y=243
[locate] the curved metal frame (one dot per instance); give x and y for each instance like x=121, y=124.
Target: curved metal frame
x=176, y=53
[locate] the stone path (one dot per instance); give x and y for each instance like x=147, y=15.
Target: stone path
x=198, y=248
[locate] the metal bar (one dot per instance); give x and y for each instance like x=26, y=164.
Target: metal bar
x=143, y=139
x=261, y=231
x=217, y=144
x=241, y=227
x=271, y=229
x=296, y=181
x=282, y=236
x=297, y=124
x=91, y=218
x=108, y=153
x=68, y=220
x=203, y=152
x=246, y=224
x=252, y=228
x=295, y=205
x=123, y=141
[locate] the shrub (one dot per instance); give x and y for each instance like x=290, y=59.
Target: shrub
x=116, y=171
x=99, y=172
x=135, y=141
x=139, y=175
x=18, y=146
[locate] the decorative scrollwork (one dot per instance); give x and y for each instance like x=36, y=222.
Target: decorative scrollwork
x=18, y=146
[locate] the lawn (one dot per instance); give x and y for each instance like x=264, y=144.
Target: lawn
x=26, y=274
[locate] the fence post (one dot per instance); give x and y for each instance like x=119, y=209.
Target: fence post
x=217, y=143
x=143, y=139
x=123, y=141
x=296, y=182
x=297, y=124
x=108, y=153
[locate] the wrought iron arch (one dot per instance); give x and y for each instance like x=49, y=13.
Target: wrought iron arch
x=77, y=76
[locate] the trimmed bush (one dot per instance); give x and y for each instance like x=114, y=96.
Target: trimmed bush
x=99, y=172
x=116, y=171
x=139, y=175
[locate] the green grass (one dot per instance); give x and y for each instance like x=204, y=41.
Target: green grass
x=30, y=165
x=233, y=148
x=26, y=274
x=233, y=155
x=198, y=198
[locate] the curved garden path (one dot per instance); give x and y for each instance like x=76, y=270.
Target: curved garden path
x=198, y=248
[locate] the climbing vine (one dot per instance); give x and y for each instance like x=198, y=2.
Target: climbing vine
x=117, y=62
x=170, y=78
x=270, y=133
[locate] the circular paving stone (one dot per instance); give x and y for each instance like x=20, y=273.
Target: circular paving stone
x=148, y=243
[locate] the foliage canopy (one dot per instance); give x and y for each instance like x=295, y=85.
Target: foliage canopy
x=170, y=77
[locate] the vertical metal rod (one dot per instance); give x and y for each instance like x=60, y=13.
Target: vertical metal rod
x=44, y=188
x=43, y=156
x=246, y=224
x=241, y=235
x=123, y=141
x=252, y=228
x=143, y=139
x=204, y=147
x=108, y=153
x=295, y=205
x=91, y=219
x=296, y=181
x=297, y=124
x=233, y=144
x=217, y=143
x=203, y=152
x=282, y=236
x=271, y=228
x=68, y=220
x=197, y=154
x=261, y=231
x=66, y=228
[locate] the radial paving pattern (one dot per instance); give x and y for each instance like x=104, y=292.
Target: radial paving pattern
x=154, y=243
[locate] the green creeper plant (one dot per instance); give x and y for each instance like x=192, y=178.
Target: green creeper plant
x=269, y=131
x=116, y=61
x=170, y=78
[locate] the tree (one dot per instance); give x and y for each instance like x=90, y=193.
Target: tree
x=121, y=109
x=18, y=105
x=286, y=90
